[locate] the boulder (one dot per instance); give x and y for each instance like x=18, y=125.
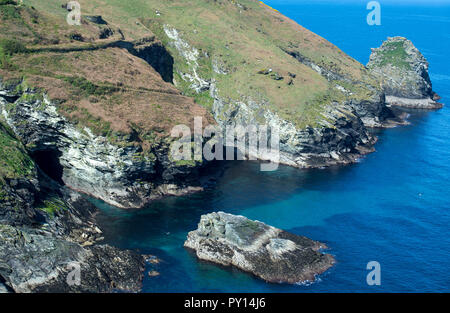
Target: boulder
x=267, y=252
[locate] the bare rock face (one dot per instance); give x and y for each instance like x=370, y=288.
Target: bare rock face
x=269, y=253
x=403, y=72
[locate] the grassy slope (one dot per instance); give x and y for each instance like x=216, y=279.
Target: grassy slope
x=395, y=55
x=245, y=36
x=109, y=90
x=14, y=161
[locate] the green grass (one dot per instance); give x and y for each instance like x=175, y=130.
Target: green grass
x=223, y=31
x=244, y=38
x=14, y=160
x=9, y=47
x=395, y=55
x=88, y=88
x=10, y=12
x=52, y=205
x=85, y=119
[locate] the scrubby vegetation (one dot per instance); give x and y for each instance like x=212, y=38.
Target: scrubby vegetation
x=5, y=2
x=14, y=160
x=88, y=88
x=52, y=205
x=116, y=94
x=9, y=47
x=395, y=55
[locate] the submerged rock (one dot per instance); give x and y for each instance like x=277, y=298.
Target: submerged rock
x=403, y=72
x=269, y=253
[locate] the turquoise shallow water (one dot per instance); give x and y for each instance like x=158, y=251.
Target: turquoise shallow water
x=392, y=207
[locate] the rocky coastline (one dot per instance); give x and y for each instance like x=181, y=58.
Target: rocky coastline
x=105, y=133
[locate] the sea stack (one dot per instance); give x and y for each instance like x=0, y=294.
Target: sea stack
x=403, y=72
x=269, y=253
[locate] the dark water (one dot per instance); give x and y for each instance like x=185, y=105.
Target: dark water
x=393, y=207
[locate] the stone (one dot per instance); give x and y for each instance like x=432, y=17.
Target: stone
x=153, y=273
x=403, y=72
x=269, y=253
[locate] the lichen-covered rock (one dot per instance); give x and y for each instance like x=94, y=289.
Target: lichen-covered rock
x=44, y=227
x=252, y=246
x=33, y=260
x=403, y=72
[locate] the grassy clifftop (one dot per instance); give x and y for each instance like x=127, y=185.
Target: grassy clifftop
x=247, y=49
x=93, y=77
x=251, y=44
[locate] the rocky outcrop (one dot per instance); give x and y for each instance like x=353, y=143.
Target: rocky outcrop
x=340, y=138
x=46, y=229
x=372, y=109
x=155, y=54
x=403, y=72
x=123, y=176
x=34, y=260
x=38, y=254
x=271, y=254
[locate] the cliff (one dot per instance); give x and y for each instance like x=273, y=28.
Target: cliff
x=45, y=227
x=403, y=72
x=88, y=109
x=101, y=98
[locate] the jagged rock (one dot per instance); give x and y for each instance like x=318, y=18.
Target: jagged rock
x=90, y=163
x=340, y=139
x=153, y=273
x=96, y=19
x=403, y=72
x=35, y=254
x=105, y=32
x=267, y=252
x=44, y=227
x=33, y=260
x=155, y=54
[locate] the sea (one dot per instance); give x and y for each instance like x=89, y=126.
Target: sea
x=392, y=207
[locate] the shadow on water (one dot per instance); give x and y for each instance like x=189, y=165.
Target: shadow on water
x=242, y=185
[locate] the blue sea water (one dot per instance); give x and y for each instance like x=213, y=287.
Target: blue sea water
x=393, y=207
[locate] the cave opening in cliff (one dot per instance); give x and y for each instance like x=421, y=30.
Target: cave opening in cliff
x=48, y=162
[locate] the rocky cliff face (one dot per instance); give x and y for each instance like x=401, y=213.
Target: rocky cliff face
x=267, y=252
x=338, y=137
x=46, y=228
x=91, y=111
x=120, y=175
x=341, y=138
x=403, y=72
